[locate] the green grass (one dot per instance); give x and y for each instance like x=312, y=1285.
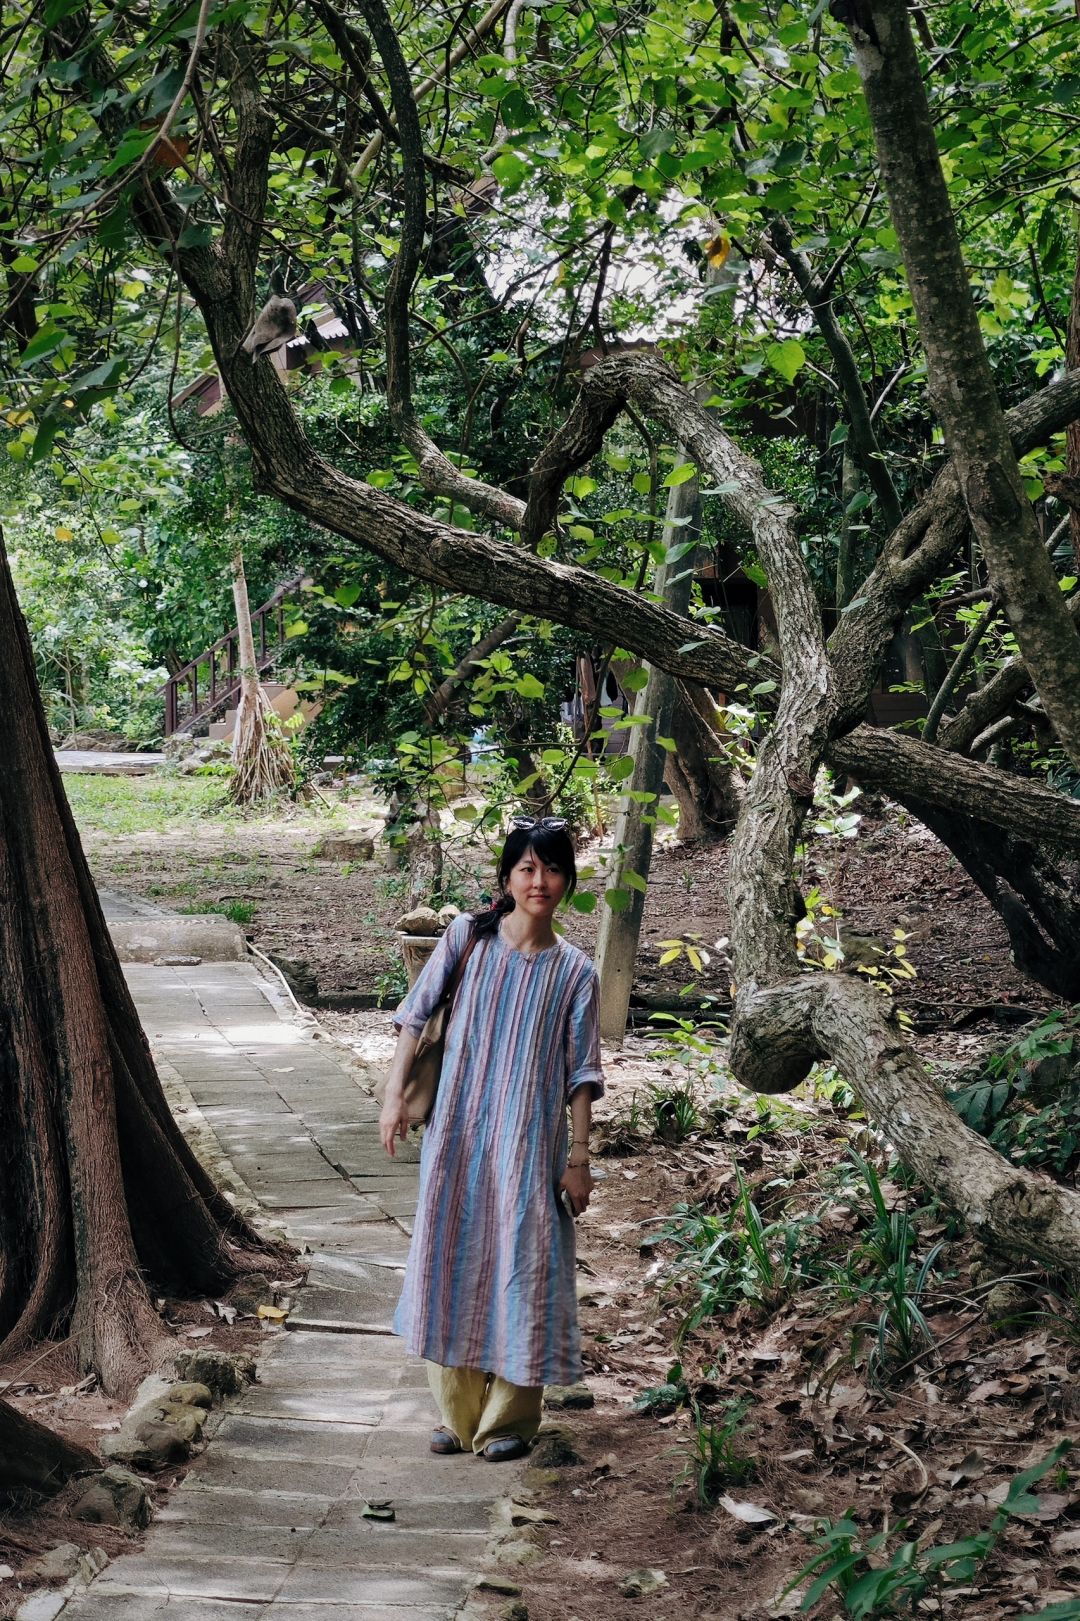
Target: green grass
x=143, y=804
x=157, y=803
x=236, y=911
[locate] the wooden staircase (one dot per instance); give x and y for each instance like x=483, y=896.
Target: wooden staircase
x=197, y=694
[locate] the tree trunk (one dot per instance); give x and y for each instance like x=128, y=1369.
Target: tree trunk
x=619, y=931
x=1072, y=358
x=261, y=757
x=707, y=787
x=35, y=1460
x=958, y=373
x=100, y=1189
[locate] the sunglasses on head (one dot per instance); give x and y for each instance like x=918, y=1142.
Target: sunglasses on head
x=544, y=824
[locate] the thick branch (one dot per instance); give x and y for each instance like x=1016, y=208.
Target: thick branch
x=907, y=769
x=842, y=1020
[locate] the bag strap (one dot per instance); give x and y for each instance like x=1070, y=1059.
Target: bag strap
x=459, y=970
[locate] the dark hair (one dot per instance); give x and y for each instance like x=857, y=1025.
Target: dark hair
x=554, y=847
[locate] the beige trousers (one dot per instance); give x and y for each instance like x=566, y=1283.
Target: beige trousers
x=478, y=1407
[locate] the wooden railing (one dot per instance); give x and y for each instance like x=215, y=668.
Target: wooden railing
x=209, y=682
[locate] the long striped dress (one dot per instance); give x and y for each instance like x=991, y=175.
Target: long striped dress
x=490, y=1277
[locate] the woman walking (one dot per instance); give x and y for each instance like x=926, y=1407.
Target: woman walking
x=489, y=1298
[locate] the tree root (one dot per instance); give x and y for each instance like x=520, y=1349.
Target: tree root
x=262, y=760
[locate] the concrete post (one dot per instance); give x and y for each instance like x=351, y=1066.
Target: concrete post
x=619, y=932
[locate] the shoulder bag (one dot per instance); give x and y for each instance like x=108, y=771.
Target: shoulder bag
x=422, y=1081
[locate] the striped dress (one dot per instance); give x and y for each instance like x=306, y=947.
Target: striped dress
x=490, y=1278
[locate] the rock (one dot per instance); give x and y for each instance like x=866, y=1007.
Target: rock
x=351, y=845
x=115, y=1497
x=177, y=960
x=149, y=1443
x=640, y=1583
x=92, y=1562
x=421, y=920
x=553, y=1450
x=447, y=914
x=58, y=1565
x=224, y=1372
x=515, y=1612
x=186, y=1420
x=519, y=1552
x=1008, y=1300
x=192, y=1395
x=300, y=977
x=561, y=1396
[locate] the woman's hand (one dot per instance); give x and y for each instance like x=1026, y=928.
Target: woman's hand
x=577, y=1185
x=394, y=1120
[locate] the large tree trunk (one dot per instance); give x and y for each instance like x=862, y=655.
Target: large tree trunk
x=99, y=1188
x=262, y=760
x=35, y=1460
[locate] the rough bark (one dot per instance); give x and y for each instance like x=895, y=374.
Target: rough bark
x=707, y=787
x=261, y=757
x=35, y=1461
x=959, y=378
x=839, y=1018
x=98, y=1189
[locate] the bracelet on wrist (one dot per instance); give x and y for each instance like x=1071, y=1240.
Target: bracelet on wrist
x=578, y=1165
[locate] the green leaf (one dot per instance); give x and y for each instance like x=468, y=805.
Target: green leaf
x=529, y=687
x=617, y=899
x=510, y=170
x=103, y=376
x=656, y=141
x=680, y=475
x=583, y=901
x=44, y=343
x=787, y=358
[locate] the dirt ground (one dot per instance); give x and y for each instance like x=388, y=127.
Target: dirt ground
x=930, y=1445
x=337, y=917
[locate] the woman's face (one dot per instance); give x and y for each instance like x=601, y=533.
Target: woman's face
x=536, y=888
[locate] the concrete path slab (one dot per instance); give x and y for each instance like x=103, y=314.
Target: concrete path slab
x=268, y=1522
x=102, y=763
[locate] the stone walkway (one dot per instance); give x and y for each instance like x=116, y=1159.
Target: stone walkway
x=269, y=1520
x=100, y=763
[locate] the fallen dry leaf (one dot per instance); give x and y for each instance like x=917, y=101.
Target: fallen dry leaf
x=749, y=1513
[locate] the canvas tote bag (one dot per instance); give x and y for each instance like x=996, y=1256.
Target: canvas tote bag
x=422, y=1081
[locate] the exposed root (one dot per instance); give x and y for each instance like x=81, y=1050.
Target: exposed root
x=262, y=760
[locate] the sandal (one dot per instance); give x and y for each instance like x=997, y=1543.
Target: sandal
x=444, y=1442
x=505, y=1447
